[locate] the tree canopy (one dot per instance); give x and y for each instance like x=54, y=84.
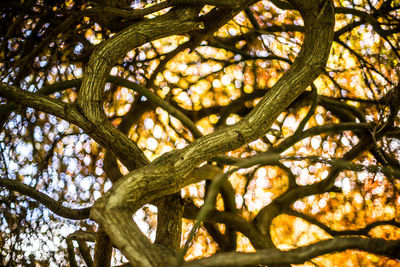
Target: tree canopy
x=200, y=133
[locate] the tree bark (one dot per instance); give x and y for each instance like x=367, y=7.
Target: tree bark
x=169, y=173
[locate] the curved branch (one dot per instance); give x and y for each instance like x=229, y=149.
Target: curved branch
x=90, y=98
x=137, y=13
x=44, y=103
x=82, y=236
x=267, y=214
x=362, y=231
x=371, y=20
x=159, y=102
x=178, y=21
x=209, y=202
x=329, y=128
x=178, y=163
x=105, y=134
x=264, y=218
x=168, y=173
x=48, y=202
x=218, y=3
x=233, y=220
x=383, y=247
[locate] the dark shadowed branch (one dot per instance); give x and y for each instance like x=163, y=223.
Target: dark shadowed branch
x=48, y=202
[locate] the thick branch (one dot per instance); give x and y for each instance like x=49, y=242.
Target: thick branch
x=167, y=174
x=166, y=170
x=178, y=21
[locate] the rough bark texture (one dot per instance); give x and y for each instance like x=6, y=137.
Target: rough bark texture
x=159, y=182
x=169, y=172
x=90, y=99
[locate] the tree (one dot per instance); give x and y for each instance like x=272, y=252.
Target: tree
x=269, y=127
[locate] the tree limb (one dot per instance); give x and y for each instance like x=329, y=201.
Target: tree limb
x=48, y=202
x=383, y=247
x=167, y=174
